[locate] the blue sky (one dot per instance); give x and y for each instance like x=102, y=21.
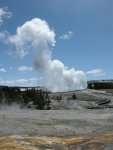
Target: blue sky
x=84, y=37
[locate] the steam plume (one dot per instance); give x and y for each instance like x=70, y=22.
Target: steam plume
x=37, y=35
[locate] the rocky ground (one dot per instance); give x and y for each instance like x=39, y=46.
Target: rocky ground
x=69, y=125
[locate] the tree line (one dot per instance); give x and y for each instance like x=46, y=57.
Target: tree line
x=39, y=98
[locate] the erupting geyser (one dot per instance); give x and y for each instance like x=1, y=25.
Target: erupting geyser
x=37, y=36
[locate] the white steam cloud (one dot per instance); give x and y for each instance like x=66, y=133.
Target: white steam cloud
x=37, y=36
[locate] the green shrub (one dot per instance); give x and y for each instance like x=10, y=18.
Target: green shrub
x=74, y=96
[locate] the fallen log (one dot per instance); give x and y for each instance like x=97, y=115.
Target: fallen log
x=100, y=107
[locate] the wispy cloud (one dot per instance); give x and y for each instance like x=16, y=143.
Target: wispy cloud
x=96, y=72
x=2, y=70
x=22, y=82
x=25, y=69
x=4, y=13
x=66, y=36
x=2, y=35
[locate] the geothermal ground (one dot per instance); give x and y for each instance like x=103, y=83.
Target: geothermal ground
x=84, y=123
